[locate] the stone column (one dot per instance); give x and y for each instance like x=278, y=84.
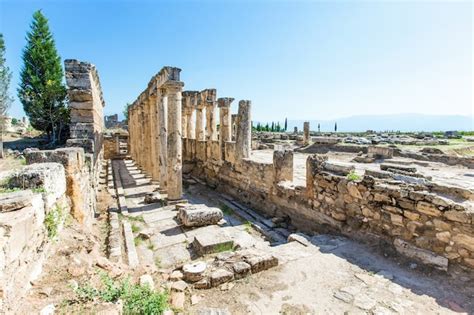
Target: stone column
x=140, y=138
x=117, y=144
x=306, y=133
x=190, y=107
x=162, y=106
x=200, y=132
x=184, y=117
x=244, y=131
x=234, y=123
x=225, y=122
x=155, y=169
x=211, y=124
x=175, y=160
x=282, y=165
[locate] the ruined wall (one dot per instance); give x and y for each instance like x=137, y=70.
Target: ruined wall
x=79, y=178
x=417, y=220
x=25, y=237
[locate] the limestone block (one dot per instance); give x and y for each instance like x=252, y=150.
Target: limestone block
x=283, y=165
x=423, y=255
x=338, y=168
x=15, y=200
x=259, y=261
x=386, y=166
x=428, y=208
x=464, y=240
x=208, y=243
x=380, y=152
x=221, y=276
x=241, y=269
x=193, y=215
x=230, y=152
x=48, y=176
x=194, y=272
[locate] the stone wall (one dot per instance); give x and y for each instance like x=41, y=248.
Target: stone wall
x=25, y=239
x=436, y=229
x=80, y=178
x=86, y=106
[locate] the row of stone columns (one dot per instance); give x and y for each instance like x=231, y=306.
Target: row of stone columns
x=155, y=131
x=231, y=127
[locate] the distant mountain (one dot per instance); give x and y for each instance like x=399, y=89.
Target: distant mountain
x=397, y=122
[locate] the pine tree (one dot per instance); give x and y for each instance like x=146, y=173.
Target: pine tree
x=41, y=90
x=319, y=127
x=286, y=124
x=5, y=99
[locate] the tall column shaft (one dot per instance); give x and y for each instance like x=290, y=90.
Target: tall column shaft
x=175, y=160
x=200, y=132
x=155, y=170
x=190, y=123
x=244, y=130
x=225, y=123
x=306, y=132
x=162, y=107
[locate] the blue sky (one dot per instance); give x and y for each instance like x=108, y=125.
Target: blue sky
x=299, y=59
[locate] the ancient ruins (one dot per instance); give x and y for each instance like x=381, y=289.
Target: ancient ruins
x=202, y=206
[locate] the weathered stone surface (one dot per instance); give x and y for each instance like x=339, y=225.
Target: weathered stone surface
x=427, y=208
x=205, y=243
x=464, y=240
x=424, y=255
x=195, y=271
x=147, y=280
x=220, y=276
x=386, y=166
x=241, y=269
x=199, y=215
x=15, y=200
x=260, y=261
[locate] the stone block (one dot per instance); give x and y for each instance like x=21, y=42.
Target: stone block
x=428, y=209
x=208, y=243
x=380, y=152
x=220, y=276
x=241, y=269
x=338, y=168
x=15, y=200
x=423, y=255
x=194, y=272
x=49, y=177
x=387, y=166
x=199, y=215
x=260, y=261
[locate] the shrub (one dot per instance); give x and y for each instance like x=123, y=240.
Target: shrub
x=136, y=299
x=53, y=220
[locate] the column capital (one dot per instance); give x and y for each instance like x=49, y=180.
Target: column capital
x=173, y=86
x=224, y=101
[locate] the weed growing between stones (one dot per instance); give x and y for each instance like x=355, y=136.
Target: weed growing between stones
x=135, y=228
x=224, y=247
x=226, y=209
x=53, y=220
x=248, y=226
x=136, y=299
x=353, y=176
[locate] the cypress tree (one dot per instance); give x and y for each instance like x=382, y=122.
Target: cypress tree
x=41, y=89
x=286, y=124
x=5, y=99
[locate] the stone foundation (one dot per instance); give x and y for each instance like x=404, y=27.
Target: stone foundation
x=438, y=229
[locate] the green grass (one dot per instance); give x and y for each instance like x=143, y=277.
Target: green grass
x=226, y=209
x=158, y=262
x=39, y=190
x=353, y=176
x=52, y=221
x=138, y=218
x=225, y=247
x=248, y=226
x=136, y=299
x=6, y=190
x=150, y=246
x=135, y=228
x=138, y=240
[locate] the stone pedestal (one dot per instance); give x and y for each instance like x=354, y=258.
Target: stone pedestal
x=211, y=124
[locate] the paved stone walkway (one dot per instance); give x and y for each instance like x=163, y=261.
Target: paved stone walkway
x=328, y=275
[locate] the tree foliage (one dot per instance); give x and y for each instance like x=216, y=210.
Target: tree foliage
x=5, y=99
x=42, y=91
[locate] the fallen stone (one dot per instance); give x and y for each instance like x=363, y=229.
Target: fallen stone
x=199, y=215
x=176, y=275
x=147, y=280
x=261, y=261
x=202, y=284
x=227, y=286
x=364, y=302
x=206, y=243
x=241, y=269
x=343, y=296
x=195, y=271
x=423, y=255
x=15, y=200
x=220, y=276
x=179, y=286
x=155, y=197
x=177, y=300
x=213, y=311
x=195, y=299
x=387, y=166
x=48, y=310
x=301, y=238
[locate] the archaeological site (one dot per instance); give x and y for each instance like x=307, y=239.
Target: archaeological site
x=190, y=210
